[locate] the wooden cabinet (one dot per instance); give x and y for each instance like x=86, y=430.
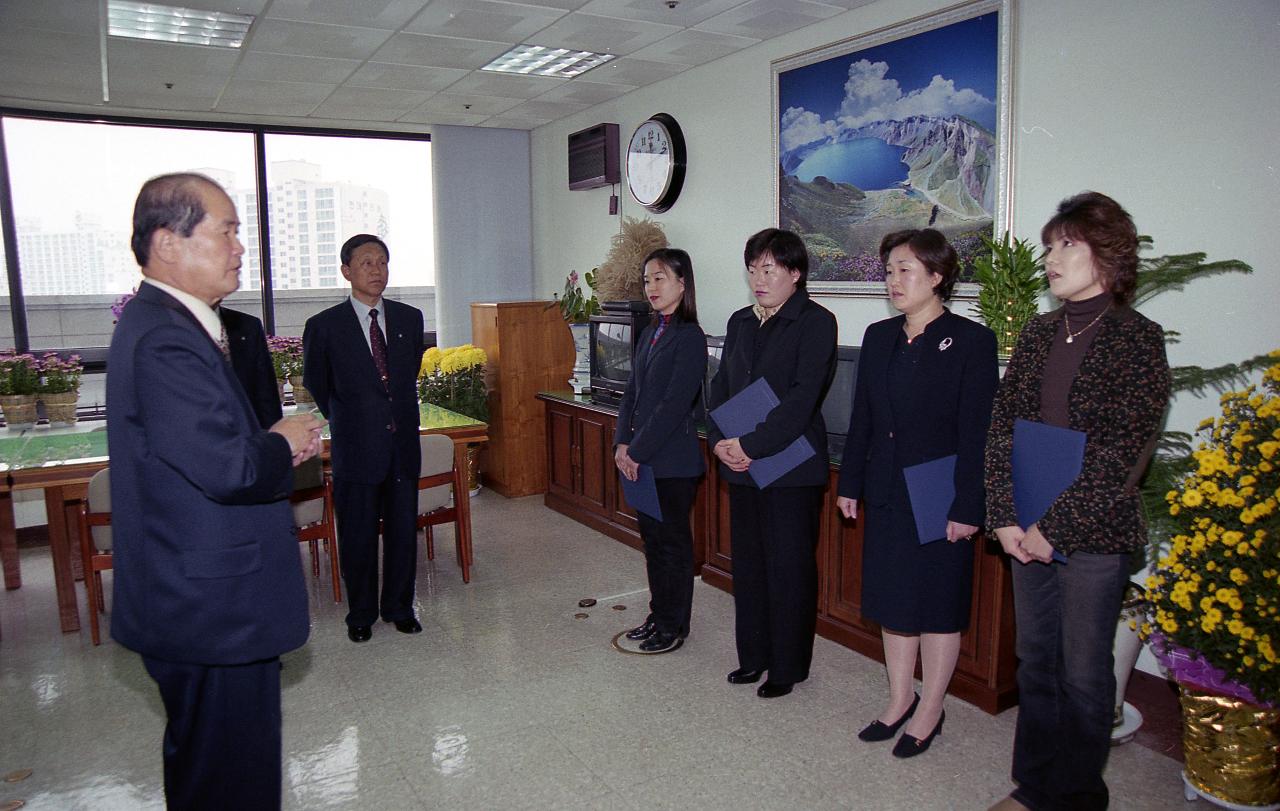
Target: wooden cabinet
x=530, y=349
x=584, y=487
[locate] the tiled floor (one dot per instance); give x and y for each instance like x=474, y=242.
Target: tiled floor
x=507, y=701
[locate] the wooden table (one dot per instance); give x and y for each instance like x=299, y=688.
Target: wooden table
x=61, y=461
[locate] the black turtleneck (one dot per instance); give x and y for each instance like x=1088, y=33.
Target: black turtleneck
x=1064, y=358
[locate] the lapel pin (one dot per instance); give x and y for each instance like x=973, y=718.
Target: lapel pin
x=944, y=344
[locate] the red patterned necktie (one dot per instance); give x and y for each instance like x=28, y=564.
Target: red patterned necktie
x=378, y=344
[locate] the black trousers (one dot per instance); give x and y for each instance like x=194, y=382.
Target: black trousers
x=774, y=538
x=668, y=556
x=222, y=739
x=359, y=507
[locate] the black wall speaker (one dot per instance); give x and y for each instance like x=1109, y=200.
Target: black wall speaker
x=593, y=157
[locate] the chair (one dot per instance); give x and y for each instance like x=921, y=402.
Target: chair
x=312, y=502
x=435, y=505
x=95, y=545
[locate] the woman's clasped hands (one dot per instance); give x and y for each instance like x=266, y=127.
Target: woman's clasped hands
x=1025, y=546
x=730, y=452
x=626, y=465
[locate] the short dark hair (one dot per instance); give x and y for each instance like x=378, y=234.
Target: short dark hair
x=933, y=251
x=1109, y=231
x=169, y=201
x=349, y=247
x=679, y=263
x=786, y=248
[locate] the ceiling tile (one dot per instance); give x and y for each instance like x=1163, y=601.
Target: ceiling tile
x=273, y=98
x=687, y=13
x=691, y=47
x=602, y=34
x=230, y=6
x=469, y=105
x=566, y=5
x=67, y=16
x=508, y=122
x=148, y=98
x=269, y=67
x=401, y=100
x=132, y=60
x=48, y=78
x=581, y=92
x=314, y=39
x=368, y=13
x=634, y=72
x=763, y=19
x=483, y=19
x=405, y=77
x=548, y=110
x=507, y=85
x=439, y=52
x=426, y=117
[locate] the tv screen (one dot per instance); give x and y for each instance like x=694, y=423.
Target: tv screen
x=612, y=347
x=838, y=405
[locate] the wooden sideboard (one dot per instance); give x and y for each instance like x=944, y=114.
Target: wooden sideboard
x=583, y=484
x=530, y=349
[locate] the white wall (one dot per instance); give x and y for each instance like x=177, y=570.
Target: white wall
x=483, y=237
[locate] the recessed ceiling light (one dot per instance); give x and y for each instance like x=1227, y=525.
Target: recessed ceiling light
x=538, y=60
x=175, y=24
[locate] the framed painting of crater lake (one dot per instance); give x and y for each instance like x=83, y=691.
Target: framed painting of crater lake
x=903, y=127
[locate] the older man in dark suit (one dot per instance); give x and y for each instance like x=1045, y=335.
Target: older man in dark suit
x=360, y=361
x=208, y=580
x=251, y=360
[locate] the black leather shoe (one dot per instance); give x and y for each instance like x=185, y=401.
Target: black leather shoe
x=910, y=746
x=661, y=643
x=642, y=631
x=359, y=633
x=878, y=731
x=744, y=676
x=774, y=689
x=409, y=626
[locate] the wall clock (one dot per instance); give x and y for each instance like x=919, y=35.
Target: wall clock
x=656, y=162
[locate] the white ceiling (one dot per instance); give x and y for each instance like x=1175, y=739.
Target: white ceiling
x=375, y=64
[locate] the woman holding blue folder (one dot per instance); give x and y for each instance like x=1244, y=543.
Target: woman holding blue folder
x=656, y=428
x=789, y=342
x=926, y=379
x=1097, y=367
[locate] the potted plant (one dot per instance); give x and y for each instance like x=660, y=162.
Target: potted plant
x=19, y=377
x=59, y=387
x=577, y=310
x=1012, y=283
x=454, y=378
x=1215, y=601
x=286, y=361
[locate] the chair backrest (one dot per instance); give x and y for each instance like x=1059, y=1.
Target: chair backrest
x=307, y=476
x=99, y=501
x=437, y=457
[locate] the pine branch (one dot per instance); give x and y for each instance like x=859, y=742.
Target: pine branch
x=1198, y=380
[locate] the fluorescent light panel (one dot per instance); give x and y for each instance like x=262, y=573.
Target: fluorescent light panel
x=175, y=24
x=538, y=60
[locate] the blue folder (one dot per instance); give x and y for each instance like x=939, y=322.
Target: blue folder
x=741, y=414
x=1046, y=461
x=642, y=494
x=932, y=488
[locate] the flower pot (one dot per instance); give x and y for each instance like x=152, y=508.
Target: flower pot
x=60, y=408
x=581, y=379
x=300, y=394
x=280, y=389
x=473, y=469
x=1231, y=748
x=19, y=410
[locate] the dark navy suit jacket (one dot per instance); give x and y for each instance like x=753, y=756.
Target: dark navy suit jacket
x=207, y=568
x=795, y=351
x=951, y=394
x=656, y=417
x=338, y=370
x=252, y=363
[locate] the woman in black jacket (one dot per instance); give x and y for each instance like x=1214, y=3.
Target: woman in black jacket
x=926, y=379
x=789, y=341
x=1095, y=366
x=656, y=428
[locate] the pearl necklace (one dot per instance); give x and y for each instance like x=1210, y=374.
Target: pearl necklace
x=1071, y=336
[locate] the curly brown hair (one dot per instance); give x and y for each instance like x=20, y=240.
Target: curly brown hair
x=1104, y=225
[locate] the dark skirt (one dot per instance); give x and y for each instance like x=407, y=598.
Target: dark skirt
x=911, y=588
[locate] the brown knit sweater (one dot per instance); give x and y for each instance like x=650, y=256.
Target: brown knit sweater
x=1117, y=397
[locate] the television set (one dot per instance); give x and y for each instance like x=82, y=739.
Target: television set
x=614, y=334
x=837, y=407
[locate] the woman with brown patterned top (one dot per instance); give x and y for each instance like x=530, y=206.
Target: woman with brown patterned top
x=1096, y=366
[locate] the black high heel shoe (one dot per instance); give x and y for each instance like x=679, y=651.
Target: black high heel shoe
x=879, y=731
x=910, y=746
